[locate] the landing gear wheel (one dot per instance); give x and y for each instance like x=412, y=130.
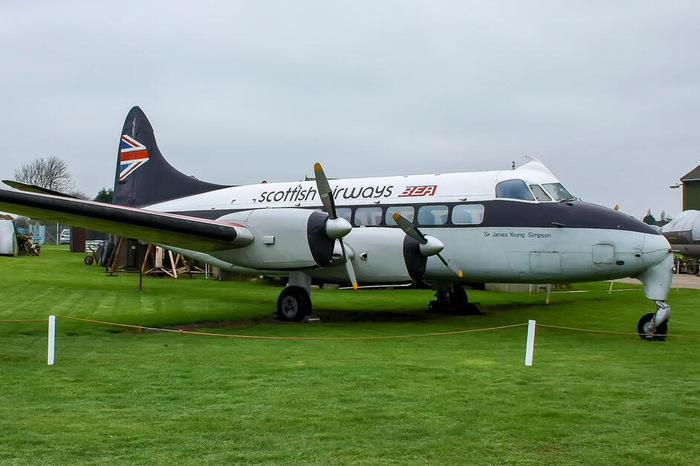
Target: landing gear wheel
x=691, y=267
x=293, y=304
x=89, y=260
x=104, y=255
x=459, y=299
x=454, y=302
x=661, y=330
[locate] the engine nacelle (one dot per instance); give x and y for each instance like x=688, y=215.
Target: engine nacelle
x=379, y=255
x=284, y=239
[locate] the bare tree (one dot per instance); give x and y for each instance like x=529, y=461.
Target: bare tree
x=50, y=173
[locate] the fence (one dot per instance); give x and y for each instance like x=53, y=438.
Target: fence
x=529, y=346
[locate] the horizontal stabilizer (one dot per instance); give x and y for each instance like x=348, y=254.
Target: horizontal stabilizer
x=32, y=188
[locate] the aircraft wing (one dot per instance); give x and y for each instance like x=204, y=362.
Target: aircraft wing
x=149, y=226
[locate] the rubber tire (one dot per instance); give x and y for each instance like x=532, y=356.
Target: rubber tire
x=106, y=253
x=293, y=304
x=459, y=299
x=661, y=331
x=89, y=260
x=691, y=267
x=458, y=303
x=98, y=252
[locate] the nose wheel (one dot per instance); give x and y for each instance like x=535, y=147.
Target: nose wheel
x=654, y=325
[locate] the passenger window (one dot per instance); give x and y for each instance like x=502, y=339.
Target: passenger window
x=539, y=193
x=406, y=212
x=432, y=215
x=344, y=212
x=513, y=189
x=368, y=216
x=468, y=214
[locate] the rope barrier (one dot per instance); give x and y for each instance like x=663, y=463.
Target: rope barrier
x=261, y=337
x=595, y=291
x=24, y=320
x=379, y=337
x=610, y=332
x=529, y=351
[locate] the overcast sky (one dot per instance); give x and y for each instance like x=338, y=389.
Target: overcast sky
x=606, y=94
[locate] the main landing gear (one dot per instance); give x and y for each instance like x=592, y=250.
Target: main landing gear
x=294, y=302
x=654, y=326
x=452, y=299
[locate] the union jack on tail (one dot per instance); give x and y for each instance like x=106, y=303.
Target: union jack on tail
x=132, y=154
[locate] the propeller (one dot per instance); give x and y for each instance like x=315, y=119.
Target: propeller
x=336, y=227
x=429, y=245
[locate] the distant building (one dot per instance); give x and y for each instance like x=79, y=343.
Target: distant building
x=691, y=189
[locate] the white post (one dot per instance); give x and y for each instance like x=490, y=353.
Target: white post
x=530, y=348
x=52, y=339
x=610, y=289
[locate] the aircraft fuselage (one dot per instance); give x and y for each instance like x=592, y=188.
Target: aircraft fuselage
x=492, y=239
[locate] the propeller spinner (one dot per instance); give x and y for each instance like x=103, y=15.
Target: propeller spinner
x=429, y=245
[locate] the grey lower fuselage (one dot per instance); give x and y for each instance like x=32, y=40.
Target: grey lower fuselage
x=588, y=243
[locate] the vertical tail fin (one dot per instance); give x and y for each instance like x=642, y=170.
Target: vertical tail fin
x=143, y=176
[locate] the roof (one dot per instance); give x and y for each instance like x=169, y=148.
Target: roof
x=693, y=175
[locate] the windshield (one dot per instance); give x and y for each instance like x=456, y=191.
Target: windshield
x=558, y=192
x=539, y=193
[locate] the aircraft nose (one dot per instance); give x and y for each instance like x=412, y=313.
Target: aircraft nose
x=656, y=247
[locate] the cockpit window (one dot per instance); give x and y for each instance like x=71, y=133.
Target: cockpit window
x=558, y=192
x=539, y=193
x=513, y=189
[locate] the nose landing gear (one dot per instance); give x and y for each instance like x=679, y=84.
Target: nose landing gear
x=654, y=325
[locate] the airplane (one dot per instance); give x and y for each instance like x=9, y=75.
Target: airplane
x=446, y=230
x=683, y=232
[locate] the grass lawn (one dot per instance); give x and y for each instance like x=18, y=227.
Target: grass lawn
x=122, y=396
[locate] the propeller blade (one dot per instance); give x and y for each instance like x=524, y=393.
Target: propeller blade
x=324, y=190
x=348, y=266
x=336, y=227
x=409, y=229
x=454, y=270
